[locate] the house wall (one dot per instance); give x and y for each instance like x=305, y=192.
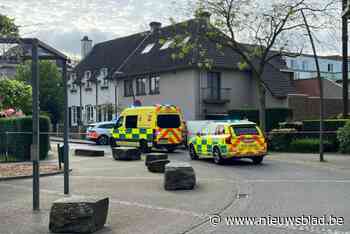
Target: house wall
x=176, y=88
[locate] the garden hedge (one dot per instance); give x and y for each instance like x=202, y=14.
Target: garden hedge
x=18, y=145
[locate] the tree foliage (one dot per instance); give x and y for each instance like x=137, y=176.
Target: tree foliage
x=15, y=94
x=50, y=86
x=259, y=31
x=7, y=27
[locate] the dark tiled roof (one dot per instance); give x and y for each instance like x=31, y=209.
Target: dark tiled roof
x=112, y=54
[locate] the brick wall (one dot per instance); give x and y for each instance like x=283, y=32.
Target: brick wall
x=305, y=107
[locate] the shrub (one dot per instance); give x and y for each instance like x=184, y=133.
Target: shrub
x=329, y=124
x=280, y=139
x=18, y=145
x=308, y=145
x=273, y=116
x=343, y=136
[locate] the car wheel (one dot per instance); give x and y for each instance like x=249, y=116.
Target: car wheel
x=217, y=156
x=103, y=140
x=144, y=147
x=193, y=153
x=170, y=149
x=257, y=160
x=112, y=142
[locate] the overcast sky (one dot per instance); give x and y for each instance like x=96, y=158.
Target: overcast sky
x=63, y=23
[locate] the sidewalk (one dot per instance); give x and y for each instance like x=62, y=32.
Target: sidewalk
x=333, y=161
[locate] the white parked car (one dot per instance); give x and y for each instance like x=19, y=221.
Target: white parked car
x=100, y=132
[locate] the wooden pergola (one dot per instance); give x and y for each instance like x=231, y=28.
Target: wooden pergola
x=35, y=50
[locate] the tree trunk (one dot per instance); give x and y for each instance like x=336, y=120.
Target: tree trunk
x=262, y=106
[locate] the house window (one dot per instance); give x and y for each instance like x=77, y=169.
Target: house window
x=87, y=75
x=294, y=64
x=330, y=67
x=105, y=83
x=304, y=66
x=154, y=85
x=213, y=83
x=128, y=88
x=141, y=86
x=147, y=48
x=89, y=113
x=88, y=84
x=166, y=45
x=74, y=115
x=104, y=72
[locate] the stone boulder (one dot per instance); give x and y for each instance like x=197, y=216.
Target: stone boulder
x=155, y=156
x=157, y=166
x=126, y=153
x=179, y=176
x=78, y=215
x=89, y=153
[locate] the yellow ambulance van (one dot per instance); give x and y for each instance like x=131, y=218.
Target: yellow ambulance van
x=147, y=127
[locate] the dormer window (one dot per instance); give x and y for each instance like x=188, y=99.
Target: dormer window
x=87, y=75
x=104, y=72
x=148, y=48
x=167, y=44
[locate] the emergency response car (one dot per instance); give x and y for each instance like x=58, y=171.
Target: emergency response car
x=229, y=140
x=159, y=126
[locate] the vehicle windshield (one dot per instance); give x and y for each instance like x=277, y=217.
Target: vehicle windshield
x=168, y=121
x=245, y=130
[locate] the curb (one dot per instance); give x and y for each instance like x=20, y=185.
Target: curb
x=73, y=141
x=30, y=176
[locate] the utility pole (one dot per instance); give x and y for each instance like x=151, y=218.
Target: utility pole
x=345, y=38
x=66, y=131
x=36, y=130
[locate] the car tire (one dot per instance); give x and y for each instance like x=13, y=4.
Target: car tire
x=257, y=160
x=217, y=156
x=192, y=152
x=112, y=142
x=103, y=140
x=170, y=149
x=144, y=147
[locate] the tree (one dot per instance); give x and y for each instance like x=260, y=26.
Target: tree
x=15, y=94
x=7, y=27
x=268, y=30
x=50, y=86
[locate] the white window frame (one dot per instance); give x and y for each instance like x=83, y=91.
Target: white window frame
x=330, y=67
x=87, y=75
x=74, y=115
x=89, y=113
x=148, y=48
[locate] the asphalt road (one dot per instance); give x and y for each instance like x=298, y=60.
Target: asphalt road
x=139, y=204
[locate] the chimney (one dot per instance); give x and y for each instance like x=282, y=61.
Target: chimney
x=155, y=26
x=86, y=46
x=205, y=15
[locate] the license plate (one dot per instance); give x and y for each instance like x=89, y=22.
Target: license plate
x=163, y=141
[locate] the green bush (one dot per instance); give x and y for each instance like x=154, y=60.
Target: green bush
x=329, y=124
x=273, y=116
x=343, y=136
x=308, y=145
x=18, y=145
x=280, y=139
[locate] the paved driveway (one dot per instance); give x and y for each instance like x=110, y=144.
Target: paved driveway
x=139, y=204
